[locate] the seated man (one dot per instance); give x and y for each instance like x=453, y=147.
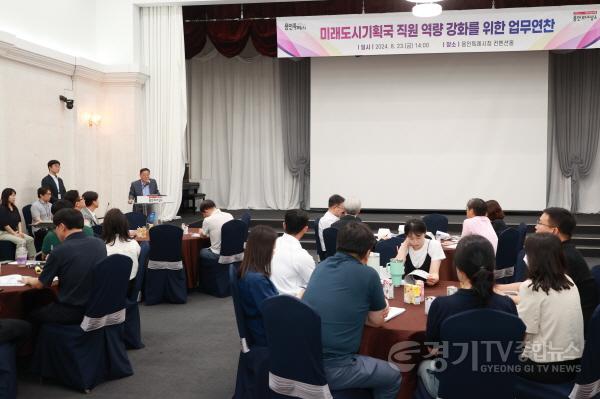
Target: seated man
x=292, y=265
x=352, y=209
x=91, y=204
x=72, y=263
x=214, y=219
x=334, y=213
x=51, y=240
x=41, y=212
x=347, y=295
x=478, y=223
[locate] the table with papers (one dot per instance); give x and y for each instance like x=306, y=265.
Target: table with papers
x=392, y=342
x=14, y=293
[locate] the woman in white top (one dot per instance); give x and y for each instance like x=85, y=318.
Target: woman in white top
x=419, y=252
x=115, y=233
x=549, y=305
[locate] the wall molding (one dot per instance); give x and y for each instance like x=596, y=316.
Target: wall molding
x=14, y=49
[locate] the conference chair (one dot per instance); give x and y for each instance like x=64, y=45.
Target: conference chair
x=330, y=238
x=436, y=222
x=7, y=250
x=506, y=256
x=596, y=274
x=470, y=354
x=8, y=371
x=98, y=230
x=165, y=277
x=322, y=254
x=297, y=367
x=214, y=275
x=133, y=329
x=521, y=268
x=246, y=218
x=252, y=373
x=388, y=249
x=587, y=382
x=522, y=229
x=82, y=356
x=135, y=220
x=28, y=219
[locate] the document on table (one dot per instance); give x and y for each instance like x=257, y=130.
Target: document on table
x=394, y=312
x=410, y=278
x=12, y=280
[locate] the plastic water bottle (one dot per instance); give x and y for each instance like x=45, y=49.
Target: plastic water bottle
x=21, y=255
x=152, y=218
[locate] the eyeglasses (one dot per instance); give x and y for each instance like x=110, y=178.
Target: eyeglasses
x=539, y=221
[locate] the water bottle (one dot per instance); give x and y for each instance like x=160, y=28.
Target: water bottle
x=152, y=218
x=21, y=255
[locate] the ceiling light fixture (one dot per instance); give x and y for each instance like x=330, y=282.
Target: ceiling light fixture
x=426, y=8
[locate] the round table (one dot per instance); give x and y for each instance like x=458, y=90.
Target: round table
x=401, y=339
x=12, y=298
x=191, y=245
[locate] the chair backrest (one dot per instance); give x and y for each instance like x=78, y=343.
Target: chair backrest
x=135, y=220
x=110, y=281
x=28, y=218
x=233, y=237
x=98, y=230
x=294, y=332
x=588, y=380
x=237, y=307
x=246, y=218
x=388, y=249
x=522, y=229
x=330, y=238
x=320, y=252
x=476, y=341
x=436, y=222
x=596, y=274
x=139, y=277
x=165, y=243
x=521, y=269
x=506, y=255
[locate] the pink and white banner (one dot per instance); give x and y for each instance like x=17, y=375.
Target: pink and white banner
x=468, y=31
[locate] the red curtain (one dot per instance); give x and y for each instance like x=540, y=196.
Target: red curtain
x=231, y=36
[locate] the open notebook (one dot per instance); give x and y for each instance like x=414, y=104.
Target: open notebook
x=394, y=312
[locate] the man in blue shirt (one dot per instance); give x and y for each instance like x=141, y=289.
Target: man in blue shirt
x=347, y=295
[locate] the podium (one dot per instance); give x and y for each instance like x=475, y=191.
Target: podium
x=153, y=203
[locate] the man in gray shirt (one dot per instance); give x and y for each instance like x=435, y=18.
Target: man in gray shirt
x=41, y=210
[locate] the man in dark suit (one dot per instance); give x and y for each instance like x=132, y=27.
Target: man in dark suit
x=54, y=182
x=144, y=186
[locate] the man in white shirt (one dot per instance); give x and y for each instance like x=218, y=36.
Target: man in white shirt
x=292, y=265
x=334, y=213
x=214, y=219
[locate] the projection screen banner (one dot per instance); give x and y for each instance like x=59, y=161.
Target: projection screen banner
x=466, y=31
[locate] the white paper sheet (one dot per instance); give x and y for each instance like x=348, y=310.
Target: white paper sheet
x=394, y=312
x=12, y=280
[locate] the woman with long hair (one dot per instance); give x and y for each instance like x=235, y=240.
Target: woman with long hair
x=475, y=261
x=549, y=305
x=496, y=216
x=254, y=283
x=115, y=234
x=11, y=228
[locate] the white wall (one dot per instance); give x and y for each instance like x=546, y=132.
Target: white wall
x=430, y=131
x=36, y=127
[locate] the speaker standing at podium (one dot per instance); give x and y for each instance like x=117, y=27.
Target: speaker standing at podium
x=142, y=187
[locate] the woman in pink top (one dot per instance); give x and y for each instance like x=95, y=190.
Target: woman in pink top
x=478, y=223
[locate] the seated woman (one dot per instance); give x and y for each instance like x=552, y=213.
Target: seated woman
x=549, y=305
x=115, y=233
x=254, y=283
x=419, y=252
x=11, y=228
x=475, y=261
x=496, y=216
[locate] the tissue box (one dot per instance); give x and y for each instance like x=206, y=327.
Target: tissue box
x=412, y=294
x=388, y=288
